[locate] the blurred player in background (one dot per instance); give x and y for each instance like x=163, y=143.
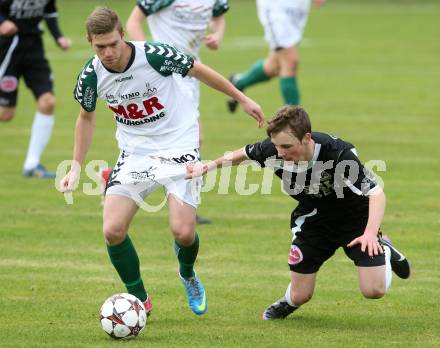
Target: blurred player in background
x=340, y=205
x=284, y=23
x=22, y=54
x=185, y=24
x=157, y=133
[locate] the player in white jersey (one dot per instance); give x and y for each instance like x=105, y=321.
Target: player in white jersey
x=284, y=23
x=157, y=133
x=184, y=24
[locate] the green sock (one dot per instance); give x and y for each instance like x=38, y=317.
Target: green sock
x=126, y=261
x=187, y=256
x=289, y=90
x=254, y=75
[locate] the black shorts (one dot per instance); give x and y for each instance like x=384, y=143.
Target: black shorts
x=317, y=236
x=23, y=56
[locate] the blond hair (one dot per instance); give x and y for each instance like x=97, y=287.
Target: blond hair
x=103, y=20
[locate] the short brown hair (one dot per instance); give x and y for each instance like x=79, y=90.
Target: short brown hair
x=293, y=118
x=103, y=20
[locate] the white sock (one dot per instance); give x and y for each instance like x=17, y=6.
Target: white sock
x=287, y=296
x=40, y=135
x=388, y=272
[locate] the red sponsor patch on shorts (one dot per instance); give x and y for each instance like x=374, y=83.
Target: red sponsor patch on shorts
x=8, y=84
x=295, y=255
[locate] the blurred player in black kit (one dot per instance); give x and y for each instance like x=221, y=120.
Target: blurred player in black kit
x=22, y=54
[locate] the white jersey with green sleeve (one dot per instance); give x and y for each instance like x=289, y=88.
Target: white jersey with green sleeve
x=181, y=23
x=150, y=109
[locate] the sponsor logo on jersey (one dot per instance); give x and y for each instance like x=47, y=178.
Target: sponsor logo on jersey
x=124, y=78
x=88, y=98
x=110, y=98
x=135, y=111
x=134, y=114
x=169, y=67
x=130, y=96
x=8, y=84
x=150, y=91
x=295, y=255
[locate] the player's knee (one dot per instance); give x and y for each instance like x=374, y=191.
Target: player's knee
x=6, y=114
x=301, y=298
x=272, y=70
x=374, y=292
x=184, y=233
x=46, y=103
x=114, y=233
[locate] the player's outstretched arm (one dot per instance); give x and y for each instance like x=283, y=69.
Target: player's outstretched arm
x=85, y=125
x=135, y=23
x=213, y=79
x=228, y=159
x=376, y=209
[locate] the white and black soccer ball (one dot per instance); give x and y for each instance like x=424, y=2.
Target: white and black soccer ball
x=123, y=316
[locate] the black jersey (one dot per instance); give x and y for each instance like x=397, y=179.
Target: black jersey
x=334, y=180
x=27, y=14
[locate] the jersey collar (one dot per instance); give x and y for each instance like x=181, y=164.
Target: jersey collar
x=130, y=62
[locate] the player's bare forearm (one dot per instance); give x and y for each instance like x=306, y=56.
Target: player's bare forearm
x=218, y=25
x=215, y=37
x=214, y=80
x=85, y=125
x=376, y=211
x=368, y=240
x=135, y=23
x=228, y=159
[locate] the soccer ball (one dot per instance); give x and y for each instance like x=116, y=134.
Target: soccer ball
x=123, y=316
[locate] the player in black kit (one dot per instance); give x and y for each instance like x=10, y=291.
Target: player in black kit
x=340, y=205
x=22, y=54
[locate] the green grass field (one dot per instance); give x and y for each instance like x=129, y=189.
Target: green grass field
x=369, y=74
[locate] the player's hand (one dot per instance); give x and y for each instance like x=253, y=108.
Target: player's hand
x=69, y=182
x=368, y=242
x=8, y=28
x=194, y=170
x=253, y=109
x=212, y=41
x=64, y=42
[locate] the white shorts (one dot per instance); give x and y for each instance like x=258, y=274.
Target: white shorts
x=283, y=25
x=136, y=176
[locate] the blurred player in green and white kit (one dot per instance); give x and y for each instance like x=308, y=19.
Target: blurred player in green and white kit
x=284, y=23
x=185, y=25
x=157, y=133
